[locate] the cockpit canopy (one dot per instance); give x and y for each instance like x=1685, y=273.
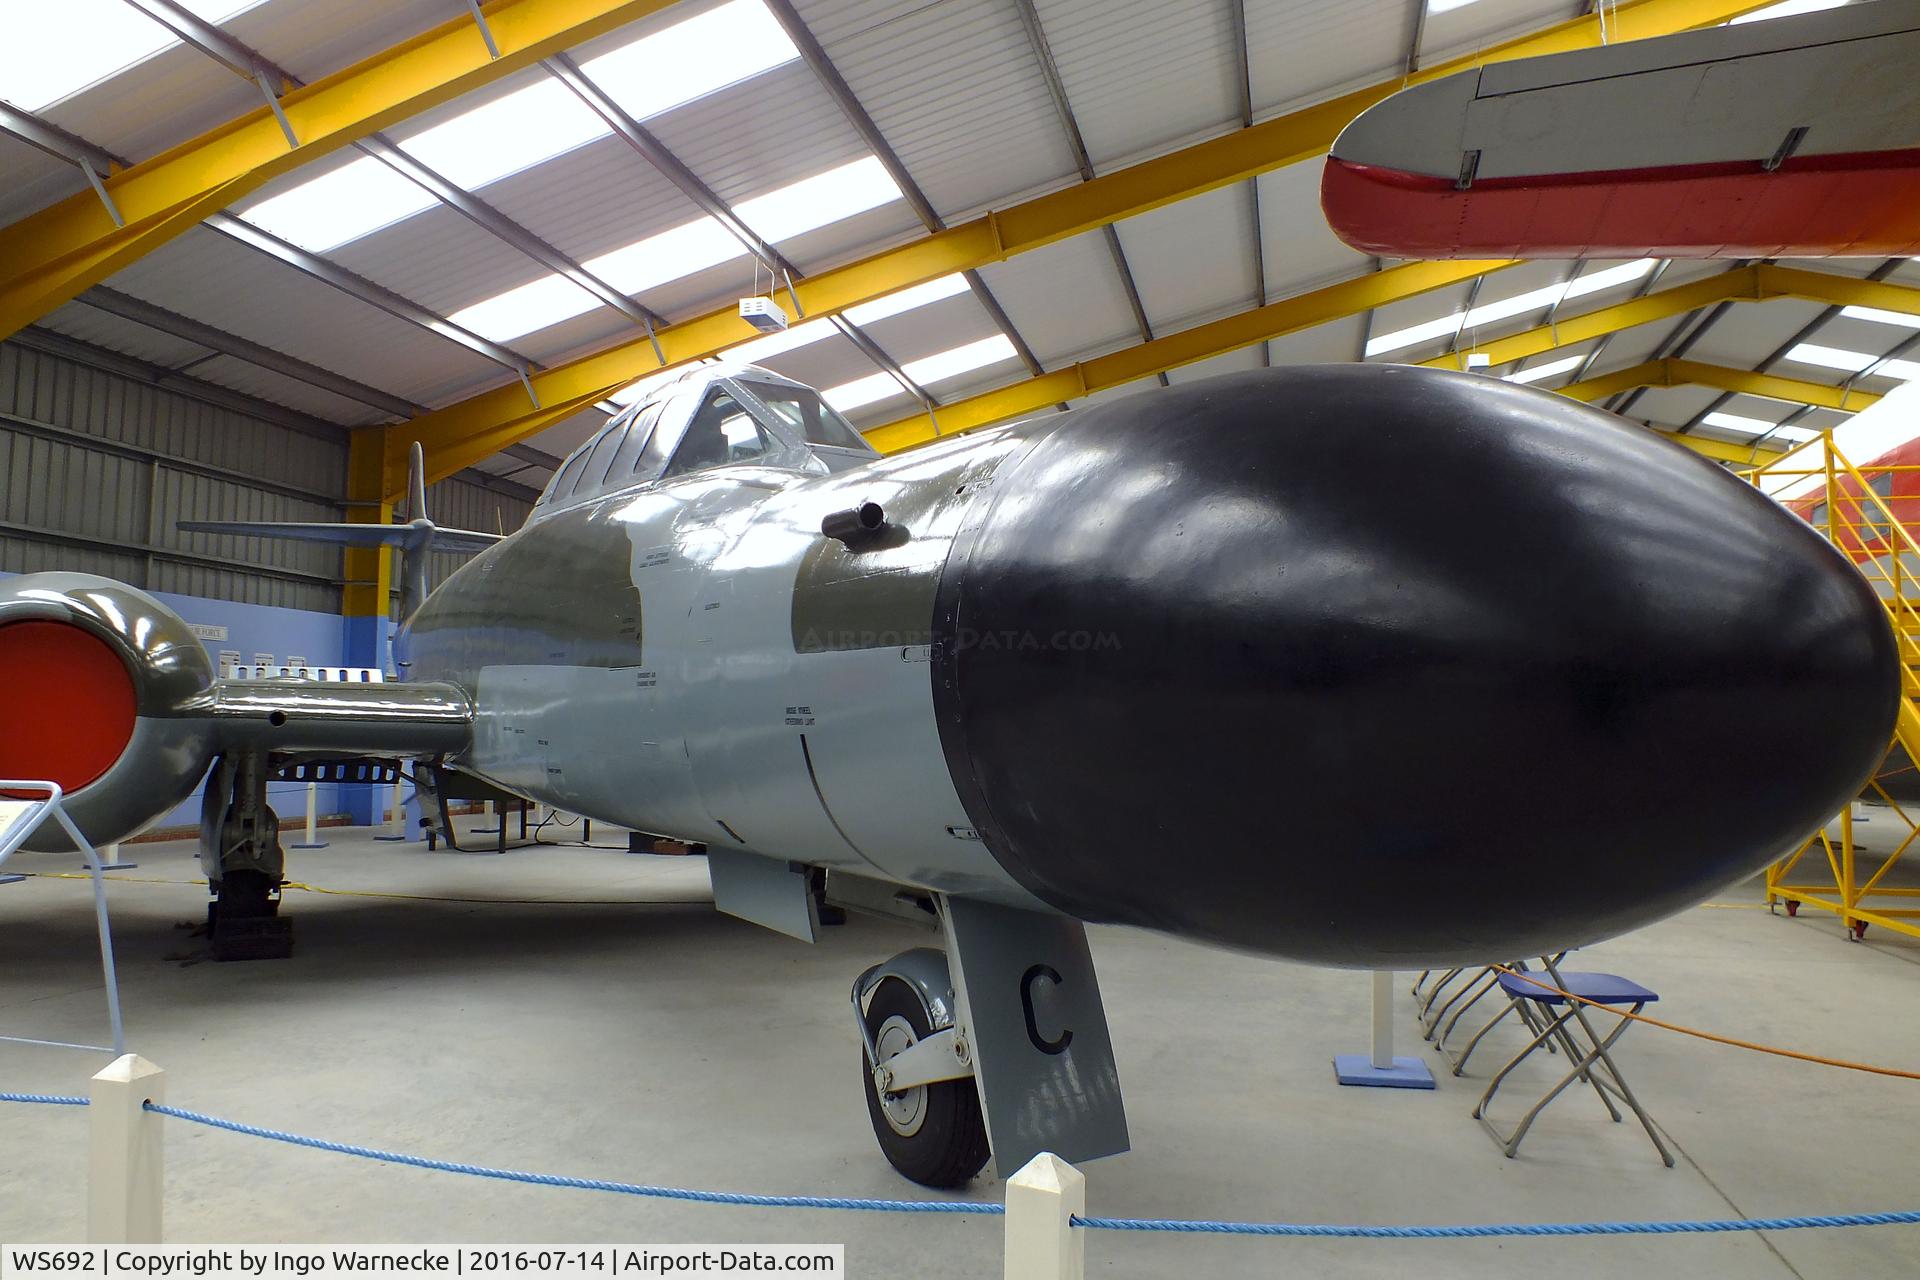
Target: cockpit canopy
x=709, y=416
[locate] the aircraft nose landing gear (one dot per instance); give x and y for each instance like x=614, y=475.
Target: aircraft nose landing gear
x=918, y=1071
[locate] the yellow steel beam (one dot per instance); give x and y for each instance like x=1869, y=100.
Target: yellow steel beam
x=1745, y=284
x=461, y=434
x=49, y=257
x=1289, y=315
x=1143, y=360
x=368, y=570
x=1565, y=331
x=1741, y=455
x=1680, y=373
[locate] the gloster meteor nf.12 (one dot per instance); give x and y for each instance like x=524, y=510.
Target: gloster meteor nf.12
x=1363, y=665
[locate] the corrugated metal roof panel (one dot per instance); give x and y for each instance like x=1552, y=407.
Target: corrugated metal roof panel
x=1671, y=406
x=835, y=20
x=1064, y=299
x=1301, y=251
x=315, y=40
x=826, y=363
x=1192, y=258
x=1334, y=342
x=1748, y=331
x=1303, y=50
x=1229, y=362
x=1143, y=74
x=78, y=320
x=760, y=135
x=955, y=89
x=34, y=179
x=439, y=260
x=278, y=389
x=1871, y=336
x=940, y=326
x=590, y=201
x=216, y=280
x=172, y=96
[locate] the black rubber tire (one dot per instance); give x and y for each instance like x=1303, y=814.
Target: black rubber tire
x=950, y=1146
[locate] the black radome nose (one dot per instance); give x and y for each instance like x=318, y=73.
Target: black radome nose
x=1384, y=666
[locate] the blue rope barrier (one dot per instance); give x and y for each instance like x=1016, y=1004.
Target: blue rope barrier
x=1191, y=1226
x=1482, y=1230
x=586, y=1184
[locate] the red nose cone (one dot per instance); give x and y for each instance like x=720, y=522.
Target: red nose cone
x=66, y=704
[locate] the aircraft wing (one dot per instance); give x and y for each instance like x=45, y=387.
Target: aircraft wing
x=347, y=535
x=1794, y=137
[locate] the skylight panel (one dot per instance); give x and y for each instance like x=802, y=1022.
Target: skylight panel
x=905, y=300
x=1878, y=316
x=54, y=50
x=1446, y=6
x=1547, y=370
x=1736, y=422
x=679, y=251
x=876, y=387
x=1853, y=361
x=545, y=301
x=509, y=134
x=1506, y=308
x=652, y=74
x=951, y=364
x=1412, y=334
x=692, y=246
x=1786, y=9
x=326, y=212
x=815, y=202
x=692, y=59
x=862, y=392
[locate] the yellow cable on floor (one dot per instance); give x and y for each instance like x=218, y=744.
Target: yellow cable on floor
x=1708, y=1035
x=406, y=897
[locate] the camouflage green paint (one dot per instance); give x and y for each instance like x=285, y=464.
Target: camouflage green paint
x=879, y=595
x=558, y=593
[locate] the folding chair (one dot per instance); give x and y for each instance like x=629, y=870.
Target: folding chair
x=1560, y=1017
x=1534, y=1022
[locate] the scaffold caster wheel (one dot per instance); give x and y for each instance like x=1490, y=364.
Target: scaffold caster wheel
x=934, y=1134
x=1857, y=930
x=1793, y=908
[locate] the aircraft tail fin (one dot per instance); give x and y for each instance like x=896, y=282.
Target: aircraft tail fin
x=417, y=539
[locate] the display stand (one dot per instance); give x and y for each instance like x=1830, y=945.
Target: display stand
x=1378, y=1068
x=24, y=824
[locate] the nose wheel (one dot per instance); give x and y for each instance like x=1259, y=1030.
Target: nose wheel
x=932, y=1133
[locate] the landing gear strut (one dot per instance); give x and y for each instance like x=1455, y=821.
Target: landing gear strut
x=931, y=1132
x=244, y=864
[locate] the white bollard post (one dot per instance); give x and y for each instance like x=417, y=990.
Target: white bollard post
x=1042, y=1242
x=396, y=816
x=1383, y=1020
x=124, y=1168
x=313, y=840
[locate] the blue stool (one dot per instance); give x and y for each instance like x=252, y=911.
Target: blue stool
x=1562, y=1018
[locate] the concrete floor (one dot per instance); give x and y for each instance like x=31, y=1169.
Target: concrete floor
x=608, y=1023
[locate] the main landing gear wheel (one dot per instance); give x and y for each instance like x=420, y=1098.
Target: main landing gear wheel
x=932, y=1133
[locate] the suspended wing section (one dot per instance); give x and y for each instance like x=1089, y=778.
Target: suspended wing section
x=1796, y=137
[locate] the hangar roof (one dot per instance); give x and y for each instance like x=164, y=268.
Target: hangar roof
x=717, y=148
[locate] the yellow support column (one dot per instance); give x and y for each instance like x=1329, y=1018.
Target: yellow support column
x=366, y=598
